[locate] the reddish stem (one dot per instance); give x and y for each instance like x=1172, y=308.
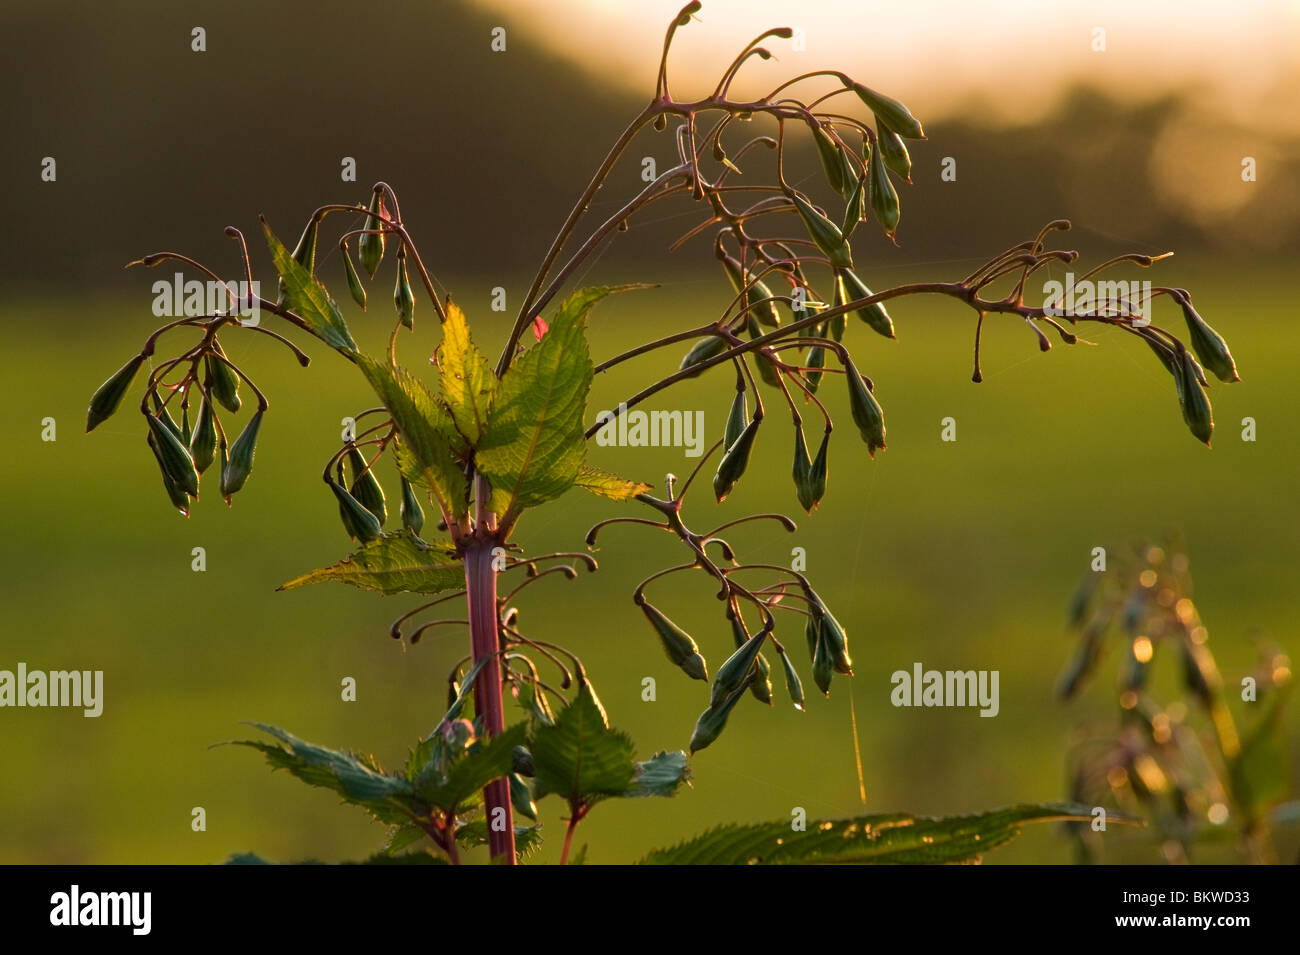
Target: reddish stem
x=481, y=597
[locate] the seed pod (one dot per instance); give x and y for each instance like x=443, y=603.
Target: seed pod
x=185, y=421
x=354, y=281
x=677, y=643
x=403, y=297
x=884, y=200
x=221, y=381
x=712, y=722
x=703, y=350
x=867, y=413
x=816, y=359
x=734, y=461
x=823, y=665
x=173, y=455
x=165, y=417
x=828, y=151
x=736, y=419
x=360, y=522
x=370, y=245
x=521, y=762
x=1195, y=403
x=890, y=112
x=835, y=638
x=109, y=395
x=304, y=253
x=855, y=210
x=203, y=443
x=175, y=493
x=793, y=685
x=1209, y=345
x=767, y=370
x=817, y=479
x=412, y=512
x=874, y=314
x=824, y=233
x=894, y=151
x=235, y=470
x=762, y=304
x=738, y=668
x=521, y=797
x=802, y=470
x=1080, y=665
x=366, y=488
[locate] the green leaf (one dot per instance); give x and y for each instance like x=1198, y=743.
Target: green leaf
x=1259, y=775
x=467, y=379
x=467, y=776
x=308, y=299
x=357, y=779
x=393, y=564
x=604, y=484
x=533, y=446
x=427, y=432
x=660, y=775
x=580, y=758
x=883, y=838
x=528, y=839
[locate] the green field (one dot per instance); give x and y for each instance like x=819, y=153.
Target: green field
x=958, y=555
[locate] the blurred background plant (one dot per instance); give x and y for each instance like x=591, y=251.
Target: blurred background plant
x=1176, y=754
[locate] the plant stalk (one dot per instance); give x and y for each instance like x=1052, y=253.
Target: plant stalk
x=481, y=598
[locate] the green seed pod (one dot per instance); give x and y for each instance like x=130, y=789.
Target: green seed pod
x=894, y=151
x=763, y=304
x=890, y=112
x=521, y=797
x=767, y=370
x=366, y=488
x=867, y=413
x=109, y=395
x=824, y=233
x=835, y=638
x=173, y=455
x=760, y=687
x=816, y=359
x=1209, y=345
x=370, y=245
x=221, y=381
x=703, y=350
x=304, y=253
x=403, y=297
x=793, y=685
x=855, y=210
x=817, y=479
x=235, y=471
x=185, y=422
x=357, y=518
x=734, y=461
x=874, y=315
x=354, y=281
x=828, y=151
x=412, y=512
x=712, y=722
x=165, y=417
x=1080, y=665
x=521, y=762
x=823, y=665
x=884, y=200
x=802, y=471
x=203, y=443
x=812, y=632
x=175, y=493
x=739, y=667
x=1196, y=404
x=736, y=418
x=677, y=643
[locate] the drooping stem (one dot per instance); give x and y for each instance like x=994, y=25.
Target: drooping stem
x=481, y=597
